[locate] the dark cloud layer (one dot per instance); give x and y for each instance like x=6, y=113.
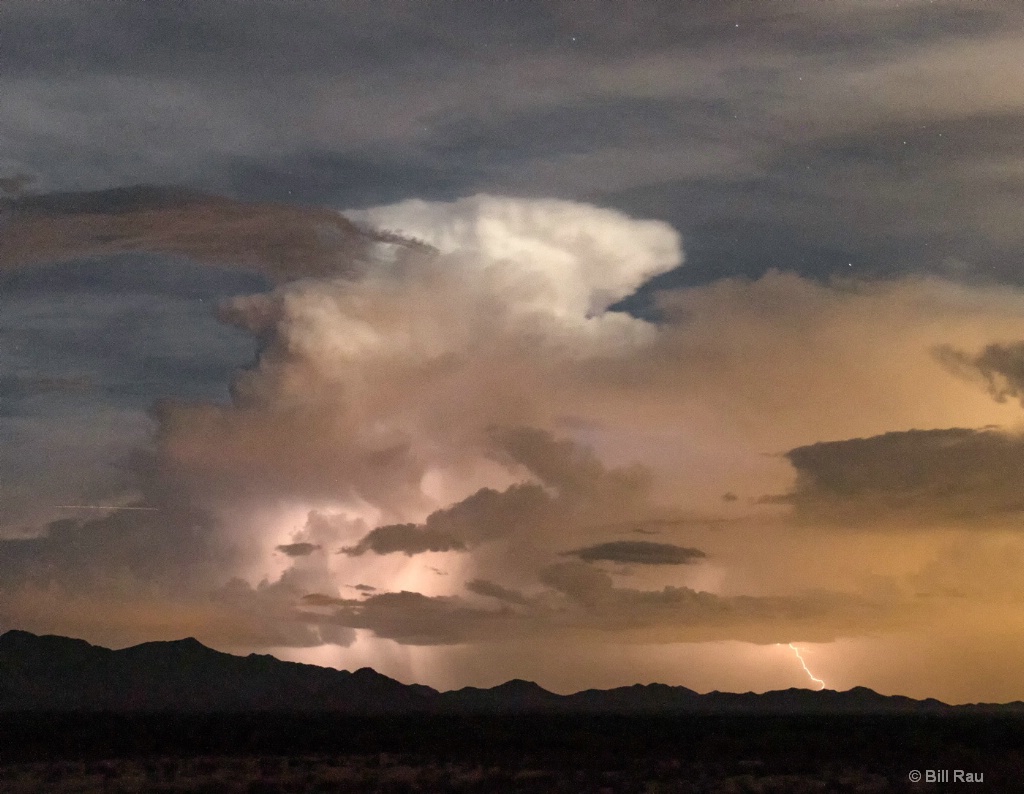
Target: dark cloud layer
x=485, y=515
x=490, y=589
x=408, y=539
x=574, y=489
x=781, y=113
x=117, y=550
x=999, y=366
x=260, y=39
x=280, y=241
x=298, y=549
x=638, y=552
x=916, y=477
x=582, y=602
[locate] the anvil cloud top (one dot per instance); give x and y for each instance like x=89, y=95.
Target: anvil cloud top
x=579, y=343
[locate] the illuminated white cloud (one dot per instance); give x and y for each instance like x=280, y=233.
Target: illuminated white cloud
x=571, y=259
x=482, y=399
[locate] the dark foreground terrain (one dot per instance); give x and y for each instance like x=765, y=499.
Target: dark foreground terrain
x=181, y=717
x=492, y=753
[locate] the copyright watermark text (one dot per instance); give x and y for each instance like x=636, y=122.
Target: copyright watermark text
x=945, y=776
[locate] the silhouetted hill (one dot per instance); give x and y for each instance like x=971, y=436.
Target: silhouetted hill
x=61, y=674
x=512, y=696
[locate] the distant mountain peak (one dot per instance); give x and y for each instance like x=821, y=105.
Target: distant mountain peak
x=17, y=637
x=520, y=685
x=188, y=645
x=189, y=642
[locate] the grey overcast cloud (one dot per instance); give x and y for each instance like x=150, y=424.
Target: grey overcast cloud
x=578, y=342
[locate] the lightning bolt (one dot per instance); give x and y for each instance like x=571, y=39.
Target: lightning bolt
x=818, y=681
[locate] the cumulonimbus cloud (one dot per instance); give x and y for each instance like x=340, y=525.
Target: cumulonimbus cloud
x=477, y=392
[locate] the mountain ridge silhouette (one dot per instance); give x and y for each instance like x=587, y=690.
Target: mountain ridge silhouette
x=62, y=674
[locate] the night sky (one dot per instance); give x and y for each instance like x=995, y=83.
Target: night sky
x=578, y=342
